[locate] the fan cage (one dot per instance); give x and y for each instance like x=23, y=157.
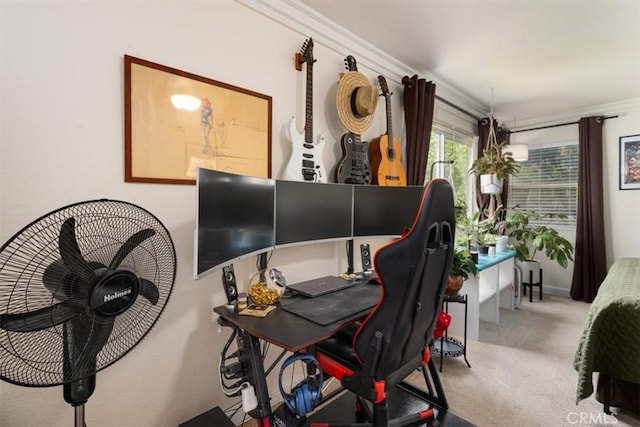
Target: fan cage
x=101, y=227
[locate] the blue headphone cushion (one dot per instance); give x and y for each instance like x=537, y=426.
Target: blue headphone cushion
x=307, y=394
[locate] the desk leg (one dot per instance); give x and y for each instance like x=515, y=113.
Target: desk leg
x=465, y=331
x=249, y=347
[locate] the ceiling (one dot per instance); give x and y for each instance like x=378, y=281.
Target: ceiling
x=529, y=59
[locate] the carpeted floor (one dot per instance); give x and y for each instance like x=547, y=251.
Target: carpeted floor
x=522, y=370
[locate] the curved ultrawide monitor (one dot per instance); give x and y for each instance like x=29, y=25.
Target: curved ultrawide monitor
x=312, y=211
x=384, y=211
x=234, y=218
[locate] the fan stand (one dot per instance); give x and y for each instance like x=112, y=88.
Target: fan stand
x=76, y=394
x=79, y=416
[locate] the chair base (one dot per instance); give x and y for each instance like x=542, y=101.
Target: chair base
x=341, y=411
x=405, y=405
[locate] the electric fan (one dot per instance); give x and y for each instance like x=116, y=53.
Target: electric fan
x=79, y=288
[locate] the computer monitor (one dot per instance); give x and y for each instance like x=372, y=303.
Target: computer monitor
x=234, y=218
x=312, y=211
x=384, y=211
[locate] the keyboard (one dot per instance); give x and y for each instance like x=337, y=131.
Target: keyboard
x=321, y=286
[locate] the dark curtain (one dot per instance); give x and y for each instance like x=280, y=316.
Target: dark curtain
x=482, y=200
x=419, y=100
x=504, y=135
x=590, y=267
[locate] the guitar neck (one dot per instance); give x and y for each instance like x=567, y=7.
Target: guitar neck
x=308, y=124
x=387, y=100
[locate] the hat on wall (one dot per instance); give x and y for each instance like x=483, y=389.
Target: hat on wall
x=356, y=100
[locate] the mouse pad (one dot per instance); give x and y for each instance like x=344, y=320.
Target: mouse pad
x=336, y=306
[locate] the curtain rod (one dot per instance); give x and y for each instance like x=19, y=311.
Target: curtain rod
x=473, y=116
x=462, y=110
x=555, y=126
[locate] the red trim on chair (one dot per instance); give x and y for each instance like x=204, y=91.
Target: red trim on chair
x=381, y=394
x=426, y=413
x=331, y=367
x=426, y=355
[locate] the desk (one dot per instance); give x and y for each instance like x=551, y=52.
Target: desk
x=286, y=330
x=298, y=334
x=488, y=291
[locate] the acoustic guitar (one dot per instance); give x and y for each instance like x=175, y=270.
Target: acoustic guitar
x=353, y=167
x=386, y=160
x=305, y=163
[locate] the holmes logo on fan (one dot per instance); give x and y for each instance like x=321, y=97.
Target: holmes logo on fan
x=111, y=297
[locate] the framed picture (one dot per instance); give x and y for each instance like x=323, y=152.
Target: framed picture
x=630, y=162
x=177, y=121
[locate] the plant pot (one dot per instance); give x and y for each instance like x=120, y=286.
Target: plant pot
x=501, y=243
x=526, y=266
x=474, y=256
x=490, y=184
x=454, y=284
x=484, y=249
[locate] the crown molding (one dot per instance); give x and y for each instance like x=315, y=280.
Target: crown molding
x=302, y=19
x=611, y=109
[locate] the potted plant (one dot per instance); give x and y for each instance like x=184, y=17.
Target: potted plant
x=494, y=166
x=531, y=233
x=462, y=266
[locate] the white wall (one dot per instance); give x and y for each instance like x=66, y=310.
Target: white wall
x=61, y=141
x=621, y=206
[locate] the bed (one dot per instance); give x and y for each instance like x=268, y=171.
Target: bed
x=610, y=342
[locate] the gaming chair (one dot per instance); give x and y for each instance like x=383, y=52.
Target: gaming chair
x=373, y=357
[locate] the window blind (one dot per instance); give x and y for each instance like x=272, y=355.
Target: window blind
x=548, y=182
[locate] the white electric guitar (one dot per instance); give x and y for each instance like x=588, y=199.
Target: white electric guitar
x=305, y=163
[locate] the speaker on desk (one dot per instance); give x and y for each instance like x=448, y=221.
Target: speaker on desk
x=229, y=281
x=365, y=253
x=307, y=394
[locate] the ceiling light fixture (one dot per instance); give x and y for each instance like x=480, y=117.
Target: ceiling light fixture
x=519, y=152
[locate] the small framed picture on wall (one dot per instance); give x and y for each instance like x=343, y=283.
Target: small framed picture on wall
x=630, y=162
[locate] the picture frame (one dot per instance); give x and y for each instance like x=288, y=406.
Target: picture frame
x=177, y=121
x=629, y=162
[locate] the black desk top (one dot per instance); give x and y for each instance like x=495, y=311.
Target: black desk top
x=288, y=330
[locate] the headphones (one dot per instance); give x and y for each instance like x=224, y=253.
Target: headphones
x=307, y=394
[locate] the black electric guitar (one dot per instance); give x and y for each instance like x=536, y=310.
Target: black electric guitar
x=353, y=167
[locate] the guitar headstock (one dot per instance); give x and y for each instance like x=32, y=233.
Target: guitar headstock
x=350, y=63
x=383, y=86
x=306, y=52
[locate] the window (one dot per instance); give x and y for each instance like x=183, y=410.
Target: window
x=446, y=146
x=548, y=182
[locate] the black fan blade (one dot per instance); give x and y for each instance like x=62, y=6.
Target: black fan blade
x=130, y=245
x=54, y=278
x=150, y=291
x=70, y=251
x=39, y=319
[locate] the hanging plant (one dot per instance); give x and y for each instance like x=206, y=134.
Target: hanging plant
x=494, y=161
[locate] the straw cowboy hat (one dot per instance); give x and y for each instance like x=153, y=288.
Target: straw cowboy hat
x=356, y=100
